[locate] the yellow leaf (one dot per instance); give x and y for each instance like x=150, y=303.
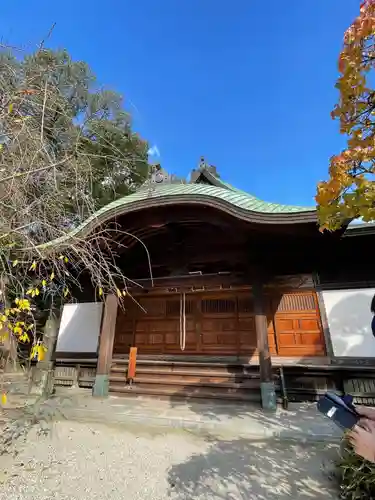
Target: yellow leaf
x=124, y=293
x=29, y=292
x=66, y=291
x=1, y=147
x=118, y=292
x=37, y=292
x=10, y=108
x=100, y=292
x=24, y=338
x=41, y=352
x=38, y=351
x=24, y=305
x=52, y=276
x=4, y=398
x=3, y=317
x=15, y=262
x=66, y=260
x=44, y=283
x=61, y=257
x=33, y=266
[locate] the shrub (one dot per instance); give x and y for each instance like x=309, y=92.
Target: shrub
x=356, y=475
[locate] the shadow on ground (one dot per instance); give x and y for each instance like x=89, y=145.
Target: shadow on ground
x=264, y=470
x=300, y=417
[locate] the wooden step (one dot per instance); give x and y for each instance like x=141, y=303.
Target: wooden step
x=188, y=364
x=182, y=368
x=188, y=379
x=194, y=378
x=248, y=385
x=183, y=393
x=182, y=374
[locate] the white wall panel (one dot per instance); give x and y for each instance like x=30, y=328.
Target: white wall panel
x=80, y=327
x=349, y=321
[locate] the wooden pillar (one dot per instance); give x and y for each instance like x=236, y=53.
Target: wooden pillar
x=267, y=384
x=107, y=337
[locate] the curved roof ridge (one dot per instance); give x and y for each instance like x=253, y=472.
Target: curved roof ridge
x=238, y=204
x=230, y=193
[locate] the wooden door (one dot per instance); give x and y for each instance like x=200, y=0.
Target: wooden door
x=158, y=331
x=155, y=326
x=218, y=328
x=220, y=323
x=297, y=324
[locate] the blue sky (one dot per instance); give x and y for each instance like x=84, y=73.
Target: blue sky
x=248, y=84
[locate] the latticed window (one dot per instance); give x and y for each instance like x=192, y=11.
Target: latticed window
x=218, y=306
x=296, y=302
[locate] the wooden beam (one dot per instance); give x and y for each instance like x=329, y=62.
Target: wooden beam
x=107, y=337
x=267, y=384
x=189, y=281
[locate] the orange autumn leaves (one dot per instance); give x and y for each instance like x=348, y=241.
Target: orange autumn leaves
x=350, y=191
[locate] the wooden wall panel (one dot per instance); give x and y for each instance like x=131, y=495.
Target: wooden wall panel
x=218, y=324
x=124, y=336
x=246, y=325
x=271, y=331
x=222, y=323
x=297, y=324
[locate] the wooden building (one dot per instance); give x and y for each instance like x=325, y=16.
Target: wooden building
x=221, y=287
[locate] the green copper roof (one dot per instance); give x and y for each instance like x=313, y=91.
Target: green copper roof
x=228, y=198
x=231, y=195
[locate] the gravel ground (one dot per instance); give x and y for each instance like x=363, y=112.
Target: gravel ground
x=78, y=461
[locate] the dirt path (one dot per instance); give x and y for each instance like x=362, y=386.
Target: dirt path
x=80, y=461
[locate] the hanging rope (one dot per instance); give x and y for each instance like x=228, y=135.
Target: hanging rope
x=182, y=321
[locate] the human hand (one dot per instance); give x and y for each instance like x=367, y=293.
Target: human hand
x=363, y=442
x=365, y=423
x=366, y=412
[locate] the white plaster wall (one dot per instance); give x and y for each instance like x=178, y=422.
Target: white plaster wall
x=80, y=327
x=349, y=321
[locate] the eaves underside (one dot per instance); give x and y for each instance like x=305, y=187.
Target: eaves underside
x=237, y=204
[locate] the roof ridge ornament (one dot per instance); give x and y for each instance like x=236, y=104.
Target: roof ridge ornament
x=159, y=176
x=204, y=166
x=202, y=163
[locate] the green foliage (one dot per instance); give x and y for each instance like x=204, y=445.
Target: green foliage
x=356, y=476
x=66, y=148
x=76, y=119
